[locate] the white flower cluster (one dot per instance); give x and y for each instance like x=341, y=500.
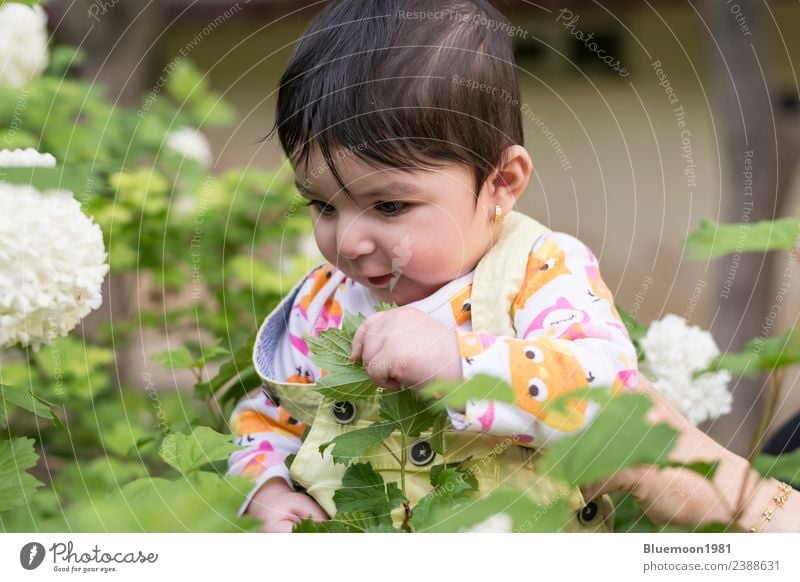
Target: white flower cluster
x=673, y=353
x=27, y=158
x=52, y=264
x=23, y=43
x=191, y=144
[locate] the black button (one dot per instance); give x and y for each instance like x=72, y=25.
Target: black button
x=421, y=453
x=343, y=412
x=588, y=512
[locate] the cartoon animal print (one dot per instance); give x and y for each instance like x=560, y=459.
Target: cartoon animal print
x=542, y=370
x=319, y=277
x=563, y=320
x=544, y=265
x=461, y=307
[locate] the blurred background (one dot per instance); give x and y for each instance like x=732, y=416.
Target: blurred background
x=628, y=156
x=642, y=119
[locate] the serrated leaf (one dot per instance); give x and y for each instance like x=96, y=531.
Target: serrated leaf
x=618, y=437
x=353, y=522
x=364, y=490
x=713, y=239
x=16, y=485
x=354, y=444
x=409, y=413
x=187, y=453
x=455, y=394
x=346, y=385
x=450, y=486
x=785, y=467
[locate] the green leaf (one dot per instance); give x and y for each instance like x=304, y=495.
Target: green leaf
x=760, y=355
x=180, y=359
x=354, y=444
x=713, y=239
x=353, y=522
x=451, y=484
x=26, y=400
x=455, y=394
x=785, y=467
x=409, y=413
x=363, y=490
x=202, y=502
x=187, y=453
x=344, y=379
x=437, y=432
x=526, y=516
x=16, y=486
x=618, y=437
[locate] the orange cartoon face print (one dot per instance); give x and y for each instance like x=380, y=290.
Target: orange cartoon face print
x=461, y=307
x=541, y=371
x=544, y=265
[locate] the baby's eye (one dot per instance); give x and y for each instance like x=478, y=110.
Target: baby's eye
x=391, y=208
x=321, y=207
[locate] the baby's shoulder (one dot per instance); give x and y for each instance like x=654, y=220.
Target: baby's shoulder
x=553, y=248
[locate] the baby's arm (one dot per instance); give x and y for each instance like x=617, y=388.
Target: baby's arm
x=569, y=336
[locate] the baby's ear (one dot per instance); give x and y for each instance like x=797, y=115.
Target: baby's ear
x=512, y=175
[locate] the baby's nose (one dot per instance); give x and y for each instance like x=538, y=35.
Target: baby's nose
x=354, y=240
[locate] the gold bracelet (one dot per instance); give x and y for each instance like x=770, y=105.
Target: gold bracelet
x=779, y=499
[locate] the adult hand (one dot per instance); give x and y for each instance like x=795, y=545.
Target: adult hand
x=681, y=496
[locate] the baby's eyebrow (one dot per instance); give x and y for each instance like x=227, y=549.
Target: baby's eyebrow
x=389, y=189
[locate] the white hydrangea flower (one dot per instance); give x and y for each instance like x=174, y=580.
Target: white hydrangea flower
x=27, y=158
x=674, y=351
x=191, y=144
x=23, y=43
x=52, y=265
x=497, y=523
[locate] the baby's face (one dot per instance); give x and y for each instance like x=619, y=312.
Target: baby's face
x=403, y=235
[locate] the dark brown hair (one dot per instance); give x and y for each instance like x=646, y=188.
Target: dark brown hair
x=405, y=84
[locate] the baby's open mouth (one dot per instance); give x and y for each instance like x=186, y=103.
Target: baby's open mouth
x=382, y=280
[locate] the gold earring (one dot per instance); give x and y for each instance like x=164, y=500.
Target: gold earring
x=498, y=212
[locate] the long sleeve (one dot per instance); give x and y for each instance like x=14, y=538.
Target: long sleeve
x=569, y=336
x=266, y=431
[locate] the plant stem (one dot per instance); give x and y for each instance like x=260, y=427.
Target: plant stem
x=403, y=456
x=769, y=411
x=385, y=446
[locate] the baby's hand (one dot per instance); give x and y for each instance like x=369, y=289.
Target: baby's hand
x=406, y=347
x=279, y=507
